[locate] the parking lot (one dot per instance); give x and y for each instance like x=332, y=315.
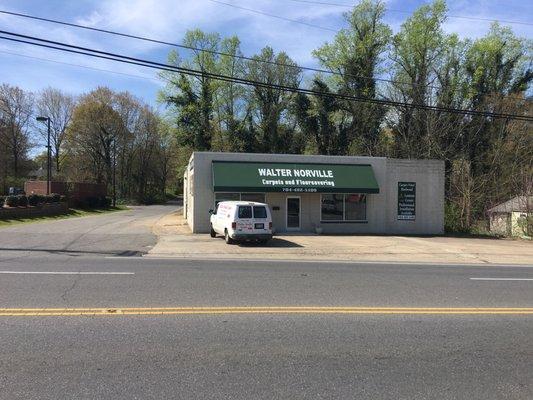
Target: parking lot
x=176, y=240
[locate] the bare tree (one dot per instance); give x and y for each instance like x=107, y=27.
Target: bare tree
x=58, y=106
x=16, y=110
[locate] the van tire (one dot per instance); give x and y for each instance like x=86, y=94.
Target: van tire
x=227, y=237
x=213, y=233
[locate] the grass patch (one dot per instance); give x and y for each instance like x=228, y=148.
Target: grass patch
x=72, y=213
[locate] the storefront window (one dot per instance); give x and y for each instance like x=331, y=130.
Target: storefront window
x=257, y=197
x=226, y=197
x=343, y=207
x=355, y=207
x=332, y=207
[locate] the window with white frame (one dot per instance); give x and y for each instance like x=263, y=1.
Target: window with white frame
x=343, y=207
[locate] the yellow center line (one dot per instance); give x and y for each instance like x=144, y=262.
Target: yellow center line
x=262, y=310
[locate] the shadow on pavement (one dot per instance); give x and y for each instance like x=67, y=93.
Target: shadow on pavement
x=122, y=253
x=273, y=243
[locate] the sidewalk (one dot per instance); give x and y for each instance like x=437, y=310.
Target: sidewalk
x=176, y=240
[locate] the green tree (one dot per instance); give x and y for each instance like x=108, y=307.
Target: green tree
x=95, y=126
x=416, y=54
x=356, y=54
x=497, y=65
x=113, y=131
x=192, y=97
x=232, y=110
x=317, y=118
x=270, y=104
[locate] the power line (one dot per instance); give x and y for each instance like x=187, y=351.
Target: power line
x=79, y=65
x=344, y=5
x=146, y=39
x=204, y=74
x=166, y=67
x=275, y=16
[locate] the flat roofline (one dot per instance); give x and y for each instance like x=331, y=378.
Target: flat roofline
x=281, y=154
x=285, y=155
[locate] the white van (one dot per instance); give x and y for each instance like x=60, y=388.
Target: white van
x=241, y=221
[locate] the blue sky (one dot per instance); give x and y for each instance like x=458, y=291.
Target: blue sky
x=169, y=19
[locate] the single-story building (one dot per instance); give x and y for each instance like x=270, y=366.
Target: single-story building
x=335, y=194
x=512, y=217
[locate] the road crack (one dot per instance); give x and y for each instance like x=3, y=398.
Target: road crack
x=69, y=289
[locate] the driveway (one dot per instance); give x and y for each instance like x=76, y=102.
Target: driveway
x=176, y=240
x=119, y=233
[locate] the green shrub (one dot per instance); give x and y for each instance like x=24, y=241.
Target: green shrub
x=525, y=223
x=33, y=199
x=63, y=199
x=55, y=197
x=22, y=200
x=2, y=200
x=12, y=201
x=452, y=219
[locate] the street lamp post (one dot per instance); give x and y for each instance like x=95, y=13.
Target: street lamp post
x=48, y=155
x=114, y=171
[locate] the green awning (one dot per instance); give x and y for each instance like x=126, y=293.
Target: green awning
x=230, y=176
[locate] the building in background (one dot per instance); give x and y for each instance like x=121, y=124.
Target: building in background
x=329, y=194
x=512, y=218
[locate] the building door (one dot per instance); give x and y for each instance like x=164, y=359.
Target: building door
x=293, y=213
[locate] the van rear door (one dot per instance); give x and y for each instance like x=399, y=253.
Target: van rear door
x=261, y=219
x=244, y=221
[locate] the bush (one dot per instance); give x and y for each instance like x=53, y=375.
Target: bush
x=63, y=199
x=55, y=197
x=33, y=199
x=22, y=200
x=452, y=219
x=2, y=200
x=525, y=223
x=12, y=201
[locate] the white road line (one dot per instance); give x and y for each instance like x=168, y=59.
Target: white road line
x=65, y=273
x=501, y=279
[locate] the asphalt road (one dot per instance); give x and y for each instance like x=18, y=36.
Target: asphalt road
x=254, y=355
x=116, y=233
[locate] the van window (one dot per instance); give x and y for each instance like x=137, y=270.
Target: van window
x=245, y=212
x=260, y=212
